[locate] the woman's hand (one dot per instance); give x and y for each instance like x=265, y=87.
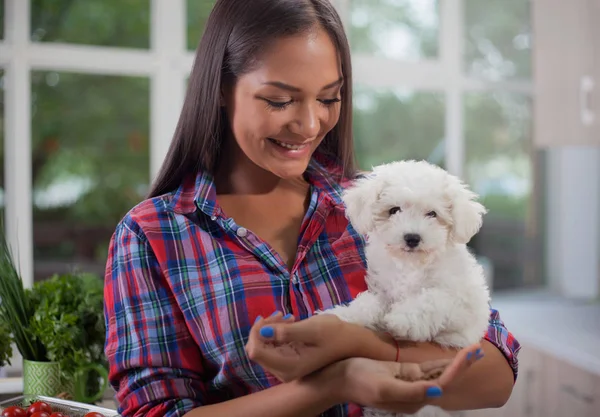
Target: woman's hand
x=290, y=350
x=380, y=385
x=376, y=384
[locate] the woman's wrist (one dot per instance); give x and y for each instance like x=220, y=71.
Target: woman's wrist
x=366, y=343
x=328, y=384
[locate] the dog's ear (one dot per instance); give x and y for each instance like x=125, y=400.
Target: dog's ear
x=467, y=213
x=359, y=198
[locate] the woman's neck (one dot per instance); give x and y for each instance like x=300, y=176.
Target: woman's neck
x=238, y=175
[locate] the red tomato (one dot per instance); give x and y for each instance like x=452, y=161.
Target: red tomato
x=94, y=414
x=14, y=411
x=37, y=407
x=40, y=414
x=57, y=415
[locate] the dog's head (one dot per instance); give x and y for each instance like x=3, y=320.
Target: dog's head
x=413, y=207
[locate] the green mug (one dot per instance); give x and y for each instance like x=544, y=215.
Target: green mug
x=80, y=381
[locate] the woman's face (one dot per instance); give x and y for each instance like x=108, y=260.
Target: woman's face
x=281, y=111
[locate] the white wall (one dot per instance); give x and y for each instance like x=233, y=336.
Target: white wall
x=573, y=221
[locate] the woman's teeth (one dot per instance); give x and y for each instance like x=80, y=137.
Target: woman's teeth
x=288, y=146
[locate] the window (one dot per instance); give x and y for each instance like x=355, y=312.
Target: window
x=90, y=164
x=392, y=124
x=476, y=121
x=499, y=168
x=197, y=14
x=498, y=39
x=116, y=23
x=395, y=29
x=442, y=80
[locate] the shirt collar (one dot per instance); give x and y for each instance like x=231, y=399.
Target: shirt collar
x=199, y=191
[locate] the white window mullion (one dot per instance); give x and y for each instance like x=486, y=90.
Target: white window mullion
x=511, y=86
x=90, y=59
x=383, y=72
x=168, y=78
x=18, y=186
x=452, y=44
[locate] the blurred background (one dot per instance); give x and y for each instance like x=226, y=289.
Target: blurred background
x=503, y=93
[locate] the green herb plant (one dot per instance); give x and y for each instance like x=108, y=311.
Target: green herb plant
x=15, y=309
x=61, y=319
x=68, y=319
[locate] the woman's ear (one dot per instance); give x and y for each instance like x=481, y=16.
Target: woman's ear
x=467, y=214
x=359, y=199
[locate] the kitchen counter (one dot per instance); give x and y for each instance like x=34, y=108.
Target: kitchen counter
x=566, y=329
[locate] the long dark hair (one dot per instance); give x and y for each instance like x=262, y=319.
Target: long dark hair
x=235, y=34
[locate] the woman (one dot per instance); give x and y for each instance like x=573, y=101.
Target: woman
x=245, y=219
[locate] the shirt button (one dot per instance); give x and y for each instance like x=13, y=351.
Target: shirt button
x=213, y=218
x=242, y=232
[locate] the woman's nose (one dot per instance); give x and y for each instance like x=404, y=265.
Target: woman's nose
x=306, y=122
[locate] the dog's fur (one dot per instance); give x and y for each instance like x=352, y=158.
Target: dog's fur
x=435, y=291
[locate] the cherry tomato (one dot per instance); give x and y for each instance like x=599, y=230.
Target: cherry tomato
x=40, y=414
x=57, y=415
x=94, y=414
x=14, y=411
x=39, y=406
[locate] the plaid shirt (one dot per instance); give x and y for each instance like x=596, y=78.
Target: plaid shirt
x=184, y=285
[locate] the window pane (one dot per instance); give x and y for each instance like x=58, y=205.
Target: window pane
x=124, y=23
x=197, y=15
x=396, y=29
x=396, y=124
x=499, y=169
x=498, y=39
x=90, y=162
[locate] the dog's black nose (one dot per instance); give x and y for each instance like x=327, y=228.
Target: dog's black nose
x=412, y=240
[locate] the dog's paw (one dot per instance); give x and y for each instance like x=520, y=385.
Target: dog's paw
x=397, y=325
x=344, y=313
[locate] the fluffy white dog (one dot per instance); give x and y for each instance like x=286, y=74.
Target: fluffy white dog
x=423, y=283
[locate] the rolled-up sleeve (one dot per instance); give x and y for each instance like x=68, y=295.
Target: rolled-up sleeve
x=155, y=366
x=498, y=335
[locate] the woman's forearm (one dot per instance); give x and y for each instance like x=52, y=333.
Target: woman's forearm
x=307, y=397
x=486, y=384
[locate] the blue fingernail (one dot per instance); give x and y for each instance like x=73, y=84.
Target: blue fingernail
x=469, y=355
x=287, y=316
x=478, y=352
x=257, y=319
x=275, y=313
x=267, y=331
x=434, y=392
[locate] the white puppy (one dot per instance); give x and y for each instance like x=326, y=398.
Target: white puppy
x=423, y=283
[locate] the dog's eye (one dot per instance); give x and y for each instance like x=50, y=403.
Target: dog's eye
x=432, y=214
x=395, y=210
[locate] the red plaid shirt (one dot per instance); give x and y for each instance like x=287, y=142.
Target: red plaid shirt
x=184, y=285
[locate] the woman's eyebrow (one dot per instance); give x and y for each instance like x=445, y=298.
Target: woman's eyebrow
x=291, y=88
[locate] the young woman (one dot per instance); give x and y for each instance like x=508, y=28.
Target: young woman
x=245, y=219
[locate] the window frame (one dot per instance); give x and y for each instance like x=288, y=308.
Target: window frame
x=167, y=63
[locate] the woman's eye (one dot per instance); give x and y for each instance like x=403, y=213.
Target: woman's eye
x=395, y=210
x=278, y=105
x=330, y=102
x=432, y=214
